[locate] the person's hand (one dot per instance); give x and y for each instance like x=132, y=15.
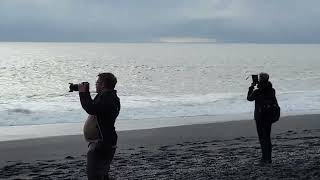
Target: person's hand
x=252, y=86
x=84, y=87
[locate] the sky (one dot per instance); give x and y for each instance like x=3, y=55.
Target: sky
x=235, y=21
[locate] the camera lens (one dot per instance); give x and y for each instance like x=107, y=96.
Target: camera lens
x=73, y=87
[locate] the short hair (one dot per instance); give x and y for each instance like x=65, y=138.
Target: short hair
x=108, y=79
x=264, y=76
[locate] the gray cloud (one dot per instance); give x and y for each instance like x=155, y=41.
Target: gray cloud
x=286, y=21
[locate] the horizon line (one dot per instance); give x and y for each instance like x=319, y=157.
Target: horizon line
x=160, y=42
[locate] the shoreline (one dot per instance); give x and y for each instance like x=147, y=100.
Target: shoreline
x=214, y=129
x=201, y=151
x=14, y=133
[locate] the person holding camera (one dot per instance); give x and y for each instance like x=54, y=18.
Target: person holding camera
x=266, y=112
x=105, y=107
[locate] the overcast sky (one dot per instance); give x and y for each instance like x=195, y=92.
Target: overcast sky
x=257, y=21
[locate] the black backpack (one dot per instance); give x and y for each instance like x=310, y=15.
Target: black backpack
x=271, y=109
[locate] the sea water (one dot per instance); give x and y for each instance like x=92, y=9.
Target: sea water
x=159, y=84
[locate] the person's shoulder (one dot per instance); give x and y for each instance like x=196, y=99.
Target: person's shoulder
x=109, y=95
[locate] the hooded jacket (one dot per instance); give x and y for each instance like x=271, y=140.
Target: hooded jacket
x=106, y=106
x=264, y=95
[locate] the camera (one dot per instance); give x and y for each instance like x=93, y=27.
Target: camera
x=255, y=79
x=75, y=87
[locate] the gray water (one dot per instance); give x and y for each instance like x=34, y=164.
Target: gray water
x=154, y=80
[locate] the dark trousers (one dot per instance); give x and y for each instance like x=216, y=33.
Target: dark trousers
x=99, y=159
x=264, y=132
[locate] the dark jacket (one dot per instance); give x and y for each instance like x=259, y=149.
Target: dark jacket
x=263, y=96
x=106, y=107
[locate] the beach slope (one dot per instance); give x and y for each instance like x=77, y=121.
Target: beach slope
x=226, y=150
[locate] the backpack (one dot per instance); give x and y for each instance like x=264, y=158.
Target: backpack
x=271, y=109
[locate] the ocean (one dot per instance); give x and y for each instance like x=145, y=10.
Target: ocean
x=159, y=84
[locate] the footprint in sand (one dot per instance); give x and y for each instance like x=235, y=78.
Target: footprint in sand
x=69, y=157
x=215, y=141
x=164, y=148
x=56, y=173
x=239, y=138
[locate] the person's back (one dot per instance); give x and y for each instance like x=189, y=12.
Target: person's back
x=106, y=119
x=265, y=94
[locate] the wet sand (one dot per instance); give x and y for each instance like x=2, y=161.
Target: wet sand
x=228, y=150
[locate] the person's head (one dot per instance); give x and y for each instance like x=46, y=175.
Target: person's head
x=106, y=81
x=263, y=77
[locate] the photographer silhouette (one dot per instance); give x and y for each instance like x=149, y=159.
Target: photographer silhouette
x=266, y=112
x=105, y=109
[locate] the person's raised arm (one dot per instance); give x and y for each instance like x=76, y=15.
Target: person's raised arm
x=92, y=107
x=252, y=94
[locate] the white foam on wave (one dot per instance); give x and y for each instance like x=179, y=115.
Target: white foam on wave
x=8, y=133
x=299, y=101
x=152, y=107
x=137, y=107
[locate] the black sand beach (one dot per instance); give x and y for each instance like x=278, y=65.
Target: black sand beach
x=228, y=150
